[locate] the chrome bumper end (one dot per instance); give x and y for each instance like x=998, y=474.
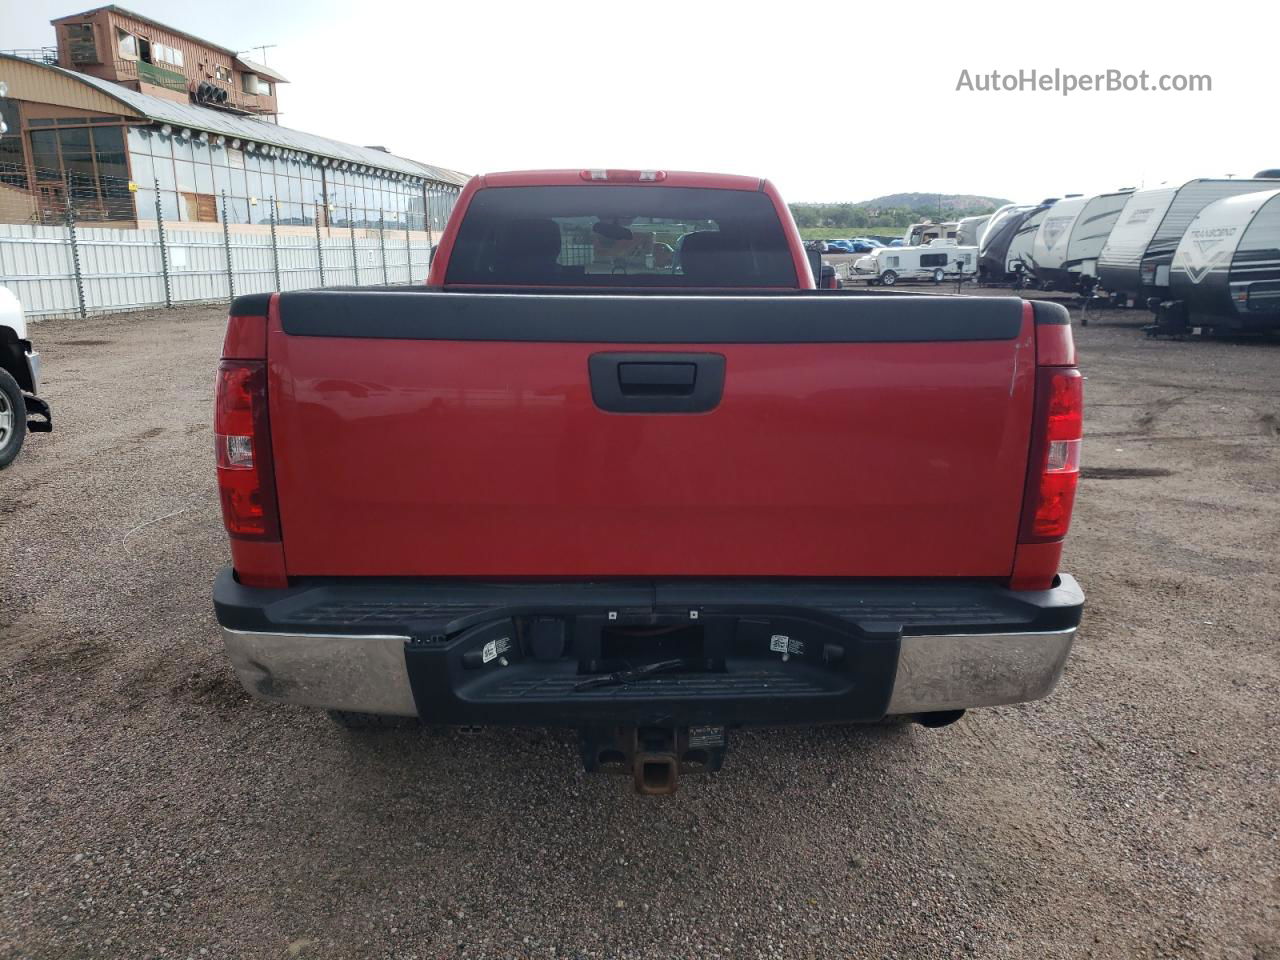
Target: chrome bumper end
x=365, y=674
x=958, y=671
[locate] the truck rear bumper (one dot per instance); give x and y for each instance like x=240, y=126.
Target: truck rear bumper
x=771, y=652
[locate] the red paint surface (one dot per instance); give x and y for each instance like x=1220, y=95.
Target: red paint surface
x=442, y=458
x=245, y=339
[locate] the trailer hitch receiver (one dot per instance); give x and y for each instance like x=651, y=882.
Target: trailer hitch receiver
x=654, y=756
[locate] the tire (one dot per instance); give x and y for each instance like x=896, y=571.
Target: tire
x=888, y=278
x=939, y=275
x=13, y=419
x=370, y=722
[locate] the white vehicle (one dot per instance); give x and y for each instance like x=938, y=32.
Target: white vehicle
x=1049, y=244
x=928, y=231
x=1134, y=263
x=1225, y=274
x=969, y=230
x=1019, y=258
x=19, y=381
x=1088, y=236
x=938, y=261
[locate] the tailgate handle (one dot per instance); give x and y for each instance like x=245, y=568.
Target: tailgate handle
x=656, y=382
x=657, y=378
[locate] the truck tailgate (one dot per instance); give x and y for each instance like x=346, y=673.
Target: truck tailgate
x=458, y=434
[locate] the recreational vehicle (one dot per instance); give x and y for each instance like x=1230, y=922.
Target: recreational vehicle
x=919, y=234
x=1225, y=274
x=1071, y=237
x=1049, y=243
x=940, y=260
x=1090, y=232
x=1020, y=257
x=993, y=263
x=1134, y=263
x=969, y=230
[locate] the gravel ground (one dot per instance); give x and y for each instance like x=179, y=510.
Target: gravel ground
x=149, y=809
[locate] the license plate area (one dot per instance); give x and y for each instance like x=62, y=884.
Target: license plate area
x=685, y=667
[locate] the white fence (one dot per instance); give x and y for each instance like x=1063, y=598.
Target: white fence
x=60, y=271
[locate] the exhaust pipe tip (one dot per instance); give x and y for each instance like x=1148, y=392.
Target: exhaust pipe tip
x=938, y=718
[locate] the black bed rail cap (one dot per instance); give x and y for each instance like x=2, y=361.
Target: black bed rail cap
x=1047, y=311
x=626, y=318
x=251, y=305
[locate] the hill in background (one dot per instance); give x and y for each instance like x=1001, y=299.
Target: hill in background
x=932, y=201
x=892, y=210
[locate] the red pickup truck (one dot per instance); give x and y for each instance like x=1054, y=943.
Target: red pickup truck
x=620, y=466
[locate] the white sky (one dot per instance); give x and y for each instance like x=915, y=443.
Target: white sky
x=841, y=101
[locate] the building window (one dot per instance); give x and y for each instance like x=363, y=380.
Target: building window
x=255, y=84
x=81, y=44
x=13, y=165
x=163, y=53
x=91, y=162
x=221, y=72
x=127, y=44
x=199, y=208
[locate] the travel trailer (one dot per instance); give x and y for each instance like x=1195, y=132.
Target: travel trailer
x=1088, y=236
x=1049, y=243
x=1225, y=273
x=1020, y=257
x=993, y=249
x=1134, y=264
x=1071, y=237
x=969, y=230
x=919, y=234
x=939, y=261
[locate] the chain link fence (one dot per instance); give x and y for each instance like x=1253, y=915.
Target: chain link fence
x=61, y=255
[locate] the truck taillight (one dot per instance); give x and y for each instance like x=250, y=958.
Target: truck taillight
x=242, y=441
x=624, y=176
x=1056, y=454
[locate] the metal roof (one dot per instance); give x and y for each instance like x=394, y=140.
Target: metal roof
x=190, y=115
x=261, y=69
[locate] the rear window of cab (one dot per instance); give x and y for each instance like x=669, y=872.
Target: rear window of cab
x=624, y=236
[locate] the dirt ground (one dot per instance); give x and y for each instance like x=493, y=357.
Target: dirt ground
x=149, y=809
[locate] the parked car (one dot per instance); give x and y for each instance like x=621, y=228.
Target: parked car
x=21, y=408
x=855, y=245
x=525, y=494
